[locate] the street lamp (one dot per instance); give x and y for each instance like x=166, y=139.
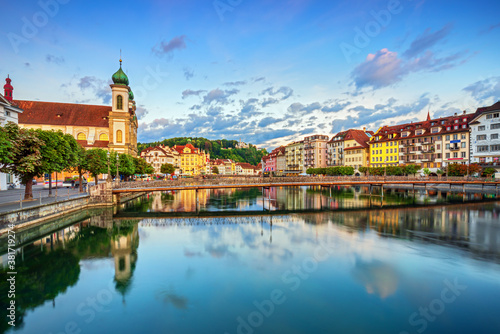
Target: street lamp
x=117, y=166
x=109, y=172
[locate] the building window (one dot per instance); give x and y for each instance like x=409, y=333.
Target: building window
x=495, y=126
x=104, y=137
x=447, y=155
x=119, y=136
x=464, y=154
x=464, y=126
x=495, y=148
x=447, y=146
x=464, y=144
x=464, y=136
x=490, y=116
x=482, y=148
x=494, y=136
x=7, y=113
x=119, y=102
x=455, y=154
x=481, y=137
x=81, y=136
x=448, y=137
x=481, y=128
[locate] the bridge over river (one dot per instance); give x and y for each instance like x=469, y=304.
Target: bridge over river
x=254, y=182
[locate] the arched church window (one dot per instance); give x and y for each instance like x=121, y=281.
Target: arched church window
x=119, y=102
x=81, y=136
x=119, y=136
x=104, y=137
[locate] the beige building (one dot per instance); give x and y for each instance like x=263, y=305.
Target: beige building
x=294, y=158
x=356, y=148
x=315, y=151
x=160, y=155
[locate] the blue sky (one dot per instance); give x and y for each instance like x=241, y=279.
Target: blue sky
x=268, y=72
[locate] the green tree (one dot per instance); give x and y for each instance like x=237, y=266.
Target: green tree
x=488, y=172
x=215, y=170
x=427, y=171
x=167, y=169
x=142, y=167
x=24, y=157
x=411, y=169
x=97, y=162
x=59, y=152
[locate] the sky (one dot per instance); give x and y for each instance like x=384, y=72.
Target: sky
x=266, y=72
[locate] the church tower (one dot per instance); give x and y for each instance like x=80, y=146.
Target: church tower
x=8, y=89
x=122, y=118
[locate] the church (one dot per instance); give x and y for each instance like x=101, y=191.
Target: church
x=112, y=128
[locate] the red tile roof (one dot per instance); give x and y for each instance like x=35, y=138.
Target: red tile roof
x=53, y=113
x=442, y=122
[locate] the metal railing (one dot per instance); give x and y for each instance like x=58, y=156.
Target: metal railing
x=14, y=199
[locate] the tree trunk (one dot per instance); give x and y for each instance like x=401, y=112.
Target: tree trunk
x=95, y=178
x=28, y=191
x=50, y=184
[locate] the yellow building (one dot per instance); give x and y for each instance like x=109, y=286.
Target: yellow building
x=384, y=149
x=192, y=160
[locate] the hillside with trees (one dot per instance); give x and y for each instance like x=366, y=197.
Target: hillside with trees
x=218, y=149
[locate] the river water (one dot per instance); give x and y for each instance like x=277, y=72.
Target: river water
x=298, y=260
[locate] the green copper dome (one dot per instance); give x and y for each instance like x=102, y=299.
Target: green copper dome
x=120, y=78
x=131, y=96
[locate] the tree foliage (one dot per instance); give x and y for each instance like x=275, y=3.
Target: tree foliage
x=167, y=169
x=461, y=170
x=142, y=167
x=25, y=155
x=215, y=170
x=97, y=162
x=332, y=171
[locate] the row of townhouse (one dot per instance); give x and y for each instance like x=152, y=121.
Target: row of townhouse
x=434, y=143
x=186, y=159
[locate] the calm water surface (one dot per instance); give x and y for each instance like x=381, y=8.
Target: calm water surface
x=397, y=270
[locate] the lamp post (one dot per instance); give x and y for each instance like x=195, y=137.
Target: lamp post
x=109, y=172
x=117, y=166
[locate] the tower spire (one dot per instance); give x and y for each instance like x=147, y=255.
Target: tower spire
x=428, y=115
x=8, y=89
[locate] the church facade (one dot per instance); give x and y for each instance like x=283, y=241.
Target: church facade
x=113, y=128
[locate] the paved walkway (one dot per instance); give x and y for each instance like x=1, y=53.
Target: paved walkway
x=10, y=199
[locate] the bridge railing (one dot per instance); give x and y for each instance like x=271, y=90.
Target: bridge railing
x=277, y=180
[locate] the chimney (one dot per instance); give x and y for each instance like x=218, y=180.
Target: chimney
x=364, y=129
x=8, y=89
x=465, y=112
x=455, y=114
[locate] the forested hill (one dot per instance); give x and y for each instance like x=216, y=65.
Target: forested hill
x=218, y=149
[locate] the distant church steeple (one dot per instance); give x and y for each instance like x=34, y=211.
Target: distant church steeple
x=8, y=89
x=428, y=116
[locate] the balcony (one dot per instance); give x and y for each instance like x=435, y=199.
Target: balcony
x=454, y=148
